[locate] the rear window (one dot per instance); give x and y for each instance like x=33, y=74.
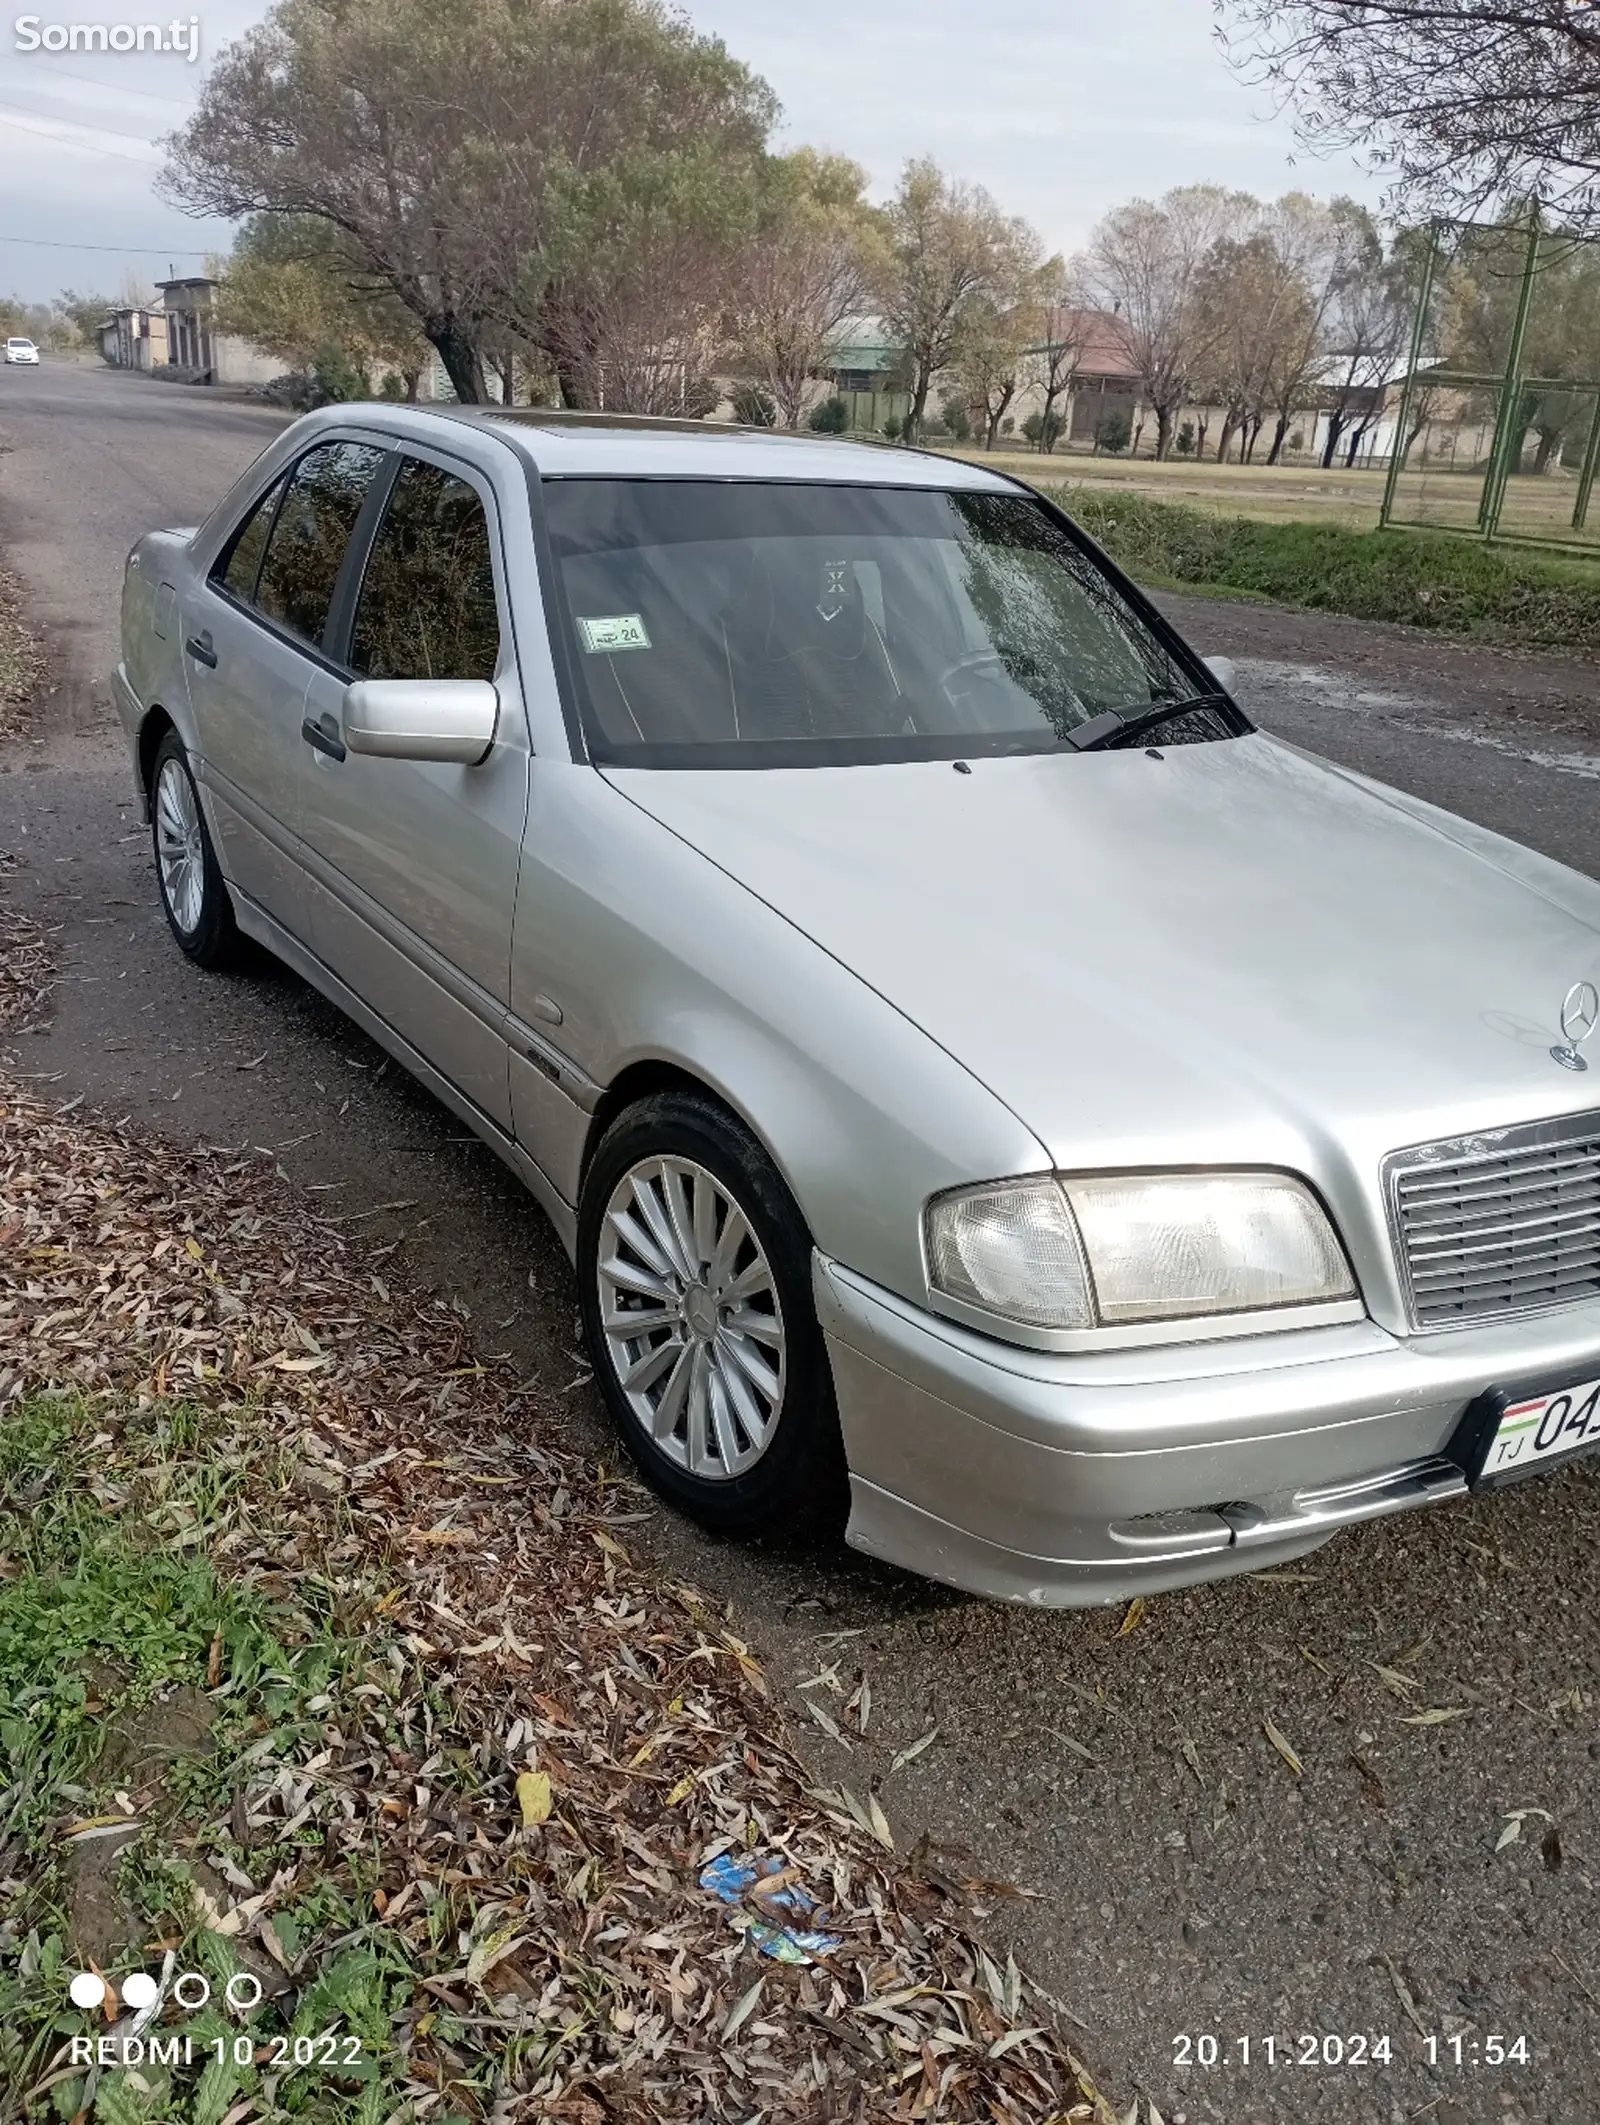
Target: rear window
x=747, y=624
x=306, y=547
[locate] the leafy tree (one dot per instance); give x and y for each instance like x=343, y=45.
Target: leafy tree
x=471, y=158
x=78, y=318
x=291, y=286
x=1463, y=100
x=995, y=341
x=816, y=250
x=628, y=294
x=950, y=249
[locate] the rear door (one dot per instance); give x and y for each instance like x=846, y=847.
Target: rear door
x=252, y=638
x=414, y=864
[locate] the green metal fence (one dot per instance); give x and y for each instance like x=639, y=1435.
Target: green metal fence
x=1498, y=427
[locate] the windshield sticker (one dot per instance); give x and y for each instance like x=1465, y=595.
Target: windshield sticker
x=622, y=630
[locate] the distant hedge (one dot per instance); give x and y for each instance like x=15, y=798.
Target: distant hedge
x=1533, y=600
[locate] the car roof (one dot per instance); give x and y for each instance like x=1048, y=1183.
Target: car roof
x=565, y=445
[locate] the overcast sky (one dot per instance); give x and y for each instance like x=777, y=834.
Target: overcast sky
x=1063, y=108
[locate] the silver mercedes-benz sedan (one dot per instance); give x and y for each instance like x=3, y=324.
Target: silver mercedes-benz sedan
x=965, y=1060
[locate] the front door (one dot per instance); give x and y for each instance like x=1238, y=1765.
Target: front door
x=413, y=864
x=252, y=634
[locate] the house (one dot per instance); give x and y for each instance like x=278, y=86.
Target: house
x=196, y=348
x=863, y=368
x=1105, y=379
x=134, y=336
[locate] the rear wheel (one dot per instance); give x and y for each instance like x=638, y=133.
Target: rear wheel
x=695, y=1282
x=193, y=891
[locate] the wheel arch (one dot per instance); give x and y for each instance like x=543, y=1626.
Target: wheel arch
x=641, y=1078
x=152, y=731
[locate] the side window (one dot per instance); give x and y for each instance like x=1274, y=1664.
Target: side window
x=240, y=561
x=427, y=609
x=309, y=538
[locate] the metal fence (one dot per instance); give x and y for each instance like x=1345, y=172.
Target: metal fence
x=1498, y=431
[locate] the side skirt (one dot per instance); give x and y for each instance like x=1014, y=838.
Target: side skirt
x=284, y=945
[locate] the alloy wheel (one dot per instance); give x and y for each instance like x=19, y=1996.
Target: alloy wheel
x=692, y=1321
x=180, y=846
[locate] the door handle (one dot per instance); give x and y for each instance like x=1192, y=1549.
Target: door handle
x=326, y=739
x=199, y=647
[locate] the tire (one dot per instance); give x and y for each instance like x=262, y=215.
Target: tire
x=728, y=1409
x=194, y=894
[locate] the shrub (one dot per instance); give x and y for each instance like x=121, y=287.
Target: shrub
x=1185, y=445
x=893, y=427
x=1043, y=434
x=753, y=407
x=337, y=378
x=1423, y=579
x=1114, y=434
x=957, y=419
x=832, y=417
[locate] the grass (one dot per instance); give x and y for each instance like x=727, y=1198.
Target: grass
x=1422, y=579
x=1275, y=494
x=113, y=1619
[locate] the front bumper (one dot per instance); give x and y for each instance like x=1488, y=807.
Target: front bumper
x=1065, y=1480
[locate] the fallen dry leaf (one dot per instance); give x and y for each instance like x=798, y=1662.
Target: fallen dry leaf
x=1283, y=1748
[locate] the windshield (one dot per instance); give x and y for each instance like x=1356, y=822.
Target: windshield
x=746, y=624
x=19, y=342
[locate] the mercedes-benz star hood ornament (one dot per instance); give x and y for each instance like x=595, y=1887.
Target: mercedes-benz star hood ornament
x=1580, y=1014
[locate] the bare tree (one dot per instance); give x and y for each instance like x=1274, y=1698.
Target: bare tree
x=1145, y=262
x=1369, y=323
x=1065, y=320
x=1463, y=100
x=950, y=247
x=816, y=250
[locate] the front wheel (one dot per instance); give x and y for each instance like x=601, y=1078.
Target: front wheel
x=694, y=1272
x=193, y=891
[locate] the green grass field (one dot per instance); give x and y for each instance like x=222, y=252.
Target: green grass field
x=1277, y=494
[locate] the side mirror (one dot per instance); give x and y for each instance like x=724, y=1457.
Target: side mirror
x=421, y=719
x=1222, y=670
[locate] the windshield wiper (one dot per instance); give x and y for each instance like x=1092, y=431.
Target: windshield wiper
x=1103, y=730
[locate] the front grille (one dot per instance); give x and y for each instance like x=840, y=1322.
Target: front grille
x=1500, y=1224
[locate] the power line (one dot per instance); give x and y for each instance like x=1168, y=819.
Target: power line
x=62, y=140
x=129, y=250
x=119, y=88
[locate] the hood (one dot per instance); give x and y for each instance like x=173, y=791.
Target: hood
x=1232, y=948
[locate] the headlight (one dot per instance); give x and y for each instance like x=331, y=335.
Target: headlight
x=1115, y=1249
x=1012, y=1249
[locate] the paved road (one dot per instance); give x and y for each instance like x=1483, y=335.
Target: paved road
x=1184, y=1880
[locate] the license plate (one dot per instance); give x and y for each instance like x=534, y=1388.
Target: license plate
x=1521, y=1433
